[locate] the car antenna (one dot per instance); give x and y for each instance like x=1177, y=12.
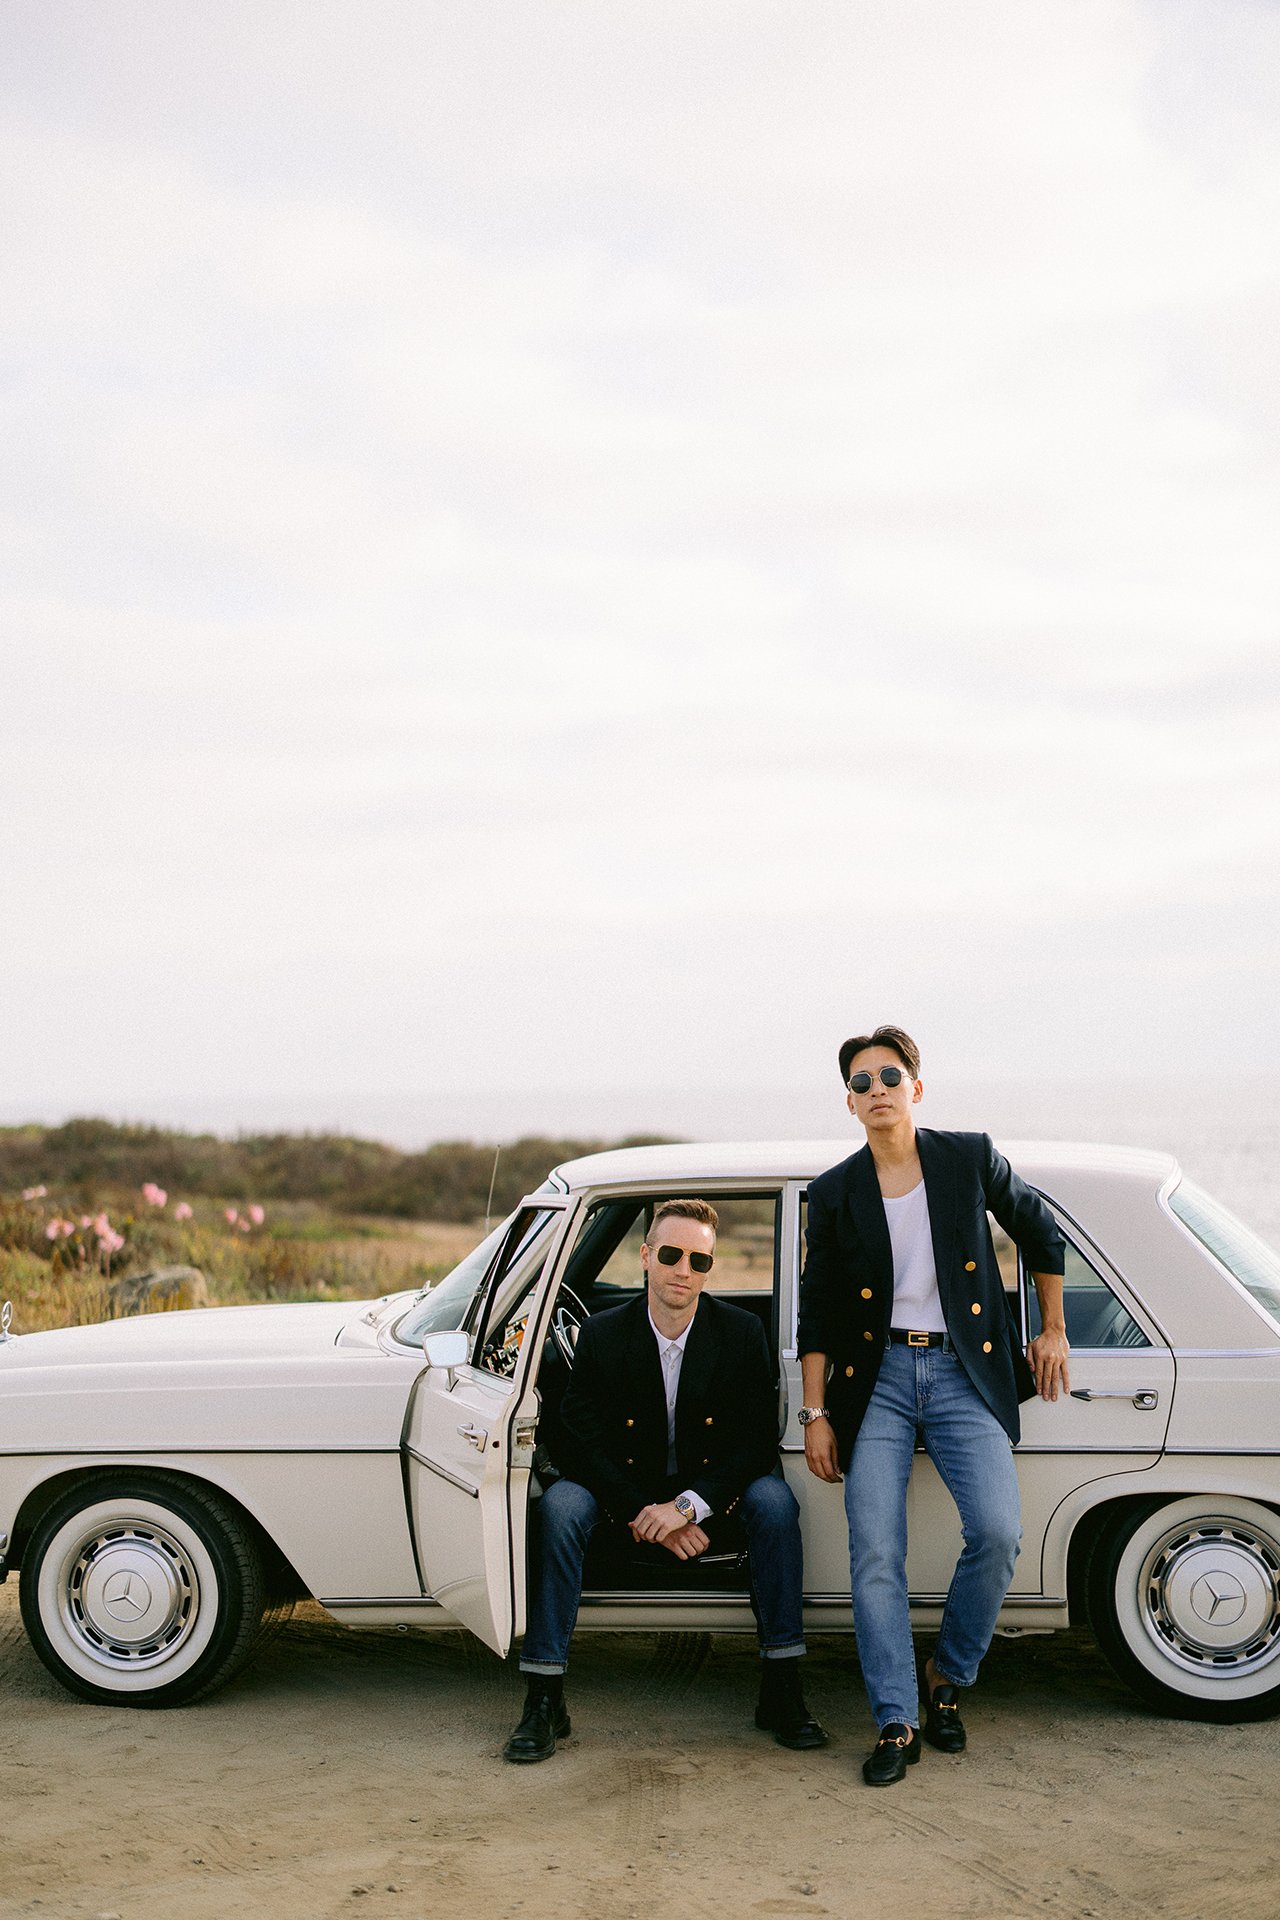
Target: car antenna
x=488, y=1205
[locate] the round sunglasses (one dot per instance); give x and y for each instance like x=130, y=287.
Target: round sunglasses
x=670, y=1257
x=889, y=1077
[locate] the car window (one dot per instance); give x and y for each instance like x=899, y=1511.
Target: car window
x=1096, y=1318
x=606, y=1257
x=448, y=1304
x=1247, y=1258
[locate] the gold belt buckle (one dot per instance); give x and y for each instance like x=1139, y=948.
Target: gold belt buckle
x=915, y=1339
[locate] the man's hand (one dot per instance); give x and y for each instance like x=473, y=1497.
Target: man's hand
x=665, y=1526
x=1047, y=1356
x=656, y=1522
x=820, y=1450
x=688, y=1543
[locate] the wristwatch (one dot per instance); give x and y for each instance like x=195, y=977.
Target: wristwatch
x=684, y=1507
x=807, y=1415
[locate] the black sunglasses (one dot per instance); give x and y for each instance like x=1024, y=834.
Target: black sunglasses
x=889, y=1077
x=670, y=1257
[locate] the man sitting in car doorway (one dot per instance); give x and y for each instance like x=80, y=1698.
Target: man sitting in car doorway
x=670, y=1424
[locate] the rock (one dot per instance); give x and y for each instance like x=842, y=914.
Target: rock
x=158, y=1291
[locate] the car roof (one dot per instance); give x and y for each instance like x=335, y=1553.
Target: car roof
x=1040, y=1162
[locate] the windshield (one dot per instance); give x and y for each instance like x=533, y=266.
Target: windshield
x=1250, y=1260
x=445, y=1307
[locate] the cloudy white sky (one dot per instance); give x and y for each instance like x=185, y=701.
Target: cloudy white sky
x=561, y=557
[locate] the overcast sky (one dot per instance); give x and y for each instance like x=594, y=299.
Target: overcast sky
x=562, y=551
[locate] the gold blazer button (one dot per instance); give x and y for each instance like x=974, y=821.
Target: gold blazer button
x=986, y=1346
x=976, y=1307
x=866, y=1293
x=709, y=1421
x=868, y=1335
x=848, y=1373
x=971, y=1266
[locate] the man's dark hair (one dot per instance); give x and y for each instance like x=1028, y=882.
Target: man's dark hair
x=901, y=1043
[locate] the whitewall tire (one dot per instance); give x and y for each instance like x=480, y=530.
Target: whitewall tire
x=1184, y=1597
x=140, y=1589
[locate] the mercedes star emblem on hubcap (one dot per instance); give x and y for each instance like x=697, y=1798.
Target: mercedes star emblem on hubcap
x=1218, y=1598
x=125, y=1596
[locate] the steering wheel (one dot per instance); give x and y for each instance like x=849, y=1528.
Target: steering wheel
x=567, y=1322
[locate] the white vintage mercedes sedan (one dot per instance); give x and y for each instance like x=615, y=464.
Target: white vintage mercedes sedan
x=169, y=1485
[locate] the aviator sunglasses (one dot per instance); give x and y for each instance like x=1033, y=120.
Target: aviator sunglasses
x=889, y=1077
x=670, y=1257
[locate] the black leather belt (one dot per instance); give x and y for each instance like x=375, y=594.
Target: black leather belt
x=908, y=1337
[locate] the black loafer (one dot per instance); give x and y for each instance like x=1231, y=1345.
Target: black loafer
x=897, y=1749
x=545, y=1721
x=943, y=1727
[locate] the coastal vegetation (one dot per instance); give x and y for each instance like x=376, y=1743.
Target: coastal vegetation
x=88, y=1206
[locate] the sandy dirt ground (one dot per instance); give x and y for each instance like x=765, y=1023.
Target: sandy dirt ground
x=359, y=1774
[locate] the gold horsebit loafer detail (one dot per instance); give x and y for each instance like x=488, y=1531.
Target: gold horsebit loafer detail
x=943, y=1727
x=897, y=1749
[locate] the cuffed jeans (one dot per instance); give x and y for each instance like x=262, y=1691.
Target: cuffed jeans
x=568, y=1515
x=926, y=1390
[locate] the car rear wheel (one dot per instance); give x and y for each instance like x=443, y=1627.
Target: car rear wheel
x=141, y=1590
x=1184, y=1597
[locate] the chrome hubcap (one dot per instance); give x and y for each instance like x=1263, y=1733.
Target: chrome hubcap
x=130, y=1596
x=1211, y=1594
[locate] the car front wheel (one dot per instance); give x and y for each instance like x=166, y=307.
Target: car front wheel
x=141, y=1590
x=1184, y=1597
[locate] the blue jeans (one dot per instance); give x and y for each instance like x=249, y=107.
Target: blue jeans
x=926, y=1389
x=568, y=1515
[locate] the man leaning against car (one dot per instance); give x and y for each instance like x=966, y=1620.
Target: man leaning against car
x=904, y=1330
x=671, y=1423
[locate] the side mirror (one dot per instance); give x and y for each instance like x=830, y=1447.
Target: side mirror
x=446, y=1350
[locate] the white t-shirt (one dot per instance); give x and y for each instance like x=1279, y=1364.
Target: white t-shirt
x=916, y=1300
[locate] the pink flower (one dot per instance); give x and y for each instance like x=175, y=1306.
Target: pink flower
x=232, y=1216
x=257, y=1214
x=243, y=1225
x=111, y=1241
x=85, y=1221
x=34, y=1193
x=182, y=1211
x=153, y=1195
x=101, y=1225
x=53, y=1229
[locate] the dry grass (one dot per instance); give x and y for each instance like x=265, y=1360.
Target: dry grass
x=301, y=1252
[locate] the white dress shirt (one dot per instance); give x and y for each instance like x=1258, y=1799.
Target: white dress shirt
x=671, y=1354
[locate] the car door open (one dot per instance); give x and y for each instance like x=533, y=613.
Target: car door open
x=469, y=1433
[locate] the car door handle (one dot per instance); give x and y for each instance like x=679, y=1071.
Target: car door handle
x=1144, y=1398
x=478, y=1436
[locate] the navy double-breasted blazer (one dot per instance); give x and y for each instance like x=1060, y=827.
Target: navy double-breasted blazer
x=614, y=1412
x=846, y=1289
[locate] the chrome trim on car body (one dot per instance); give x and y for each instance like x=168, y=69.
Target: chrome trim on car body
x=1226, y=1453
x=1226, y=1353
x=384, y=1600
x=185, y=1453
x=455, y=1480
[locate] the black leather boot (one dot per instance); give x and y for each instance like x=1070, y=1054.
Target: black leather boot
x=782, y=1711
x=544, y=1721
